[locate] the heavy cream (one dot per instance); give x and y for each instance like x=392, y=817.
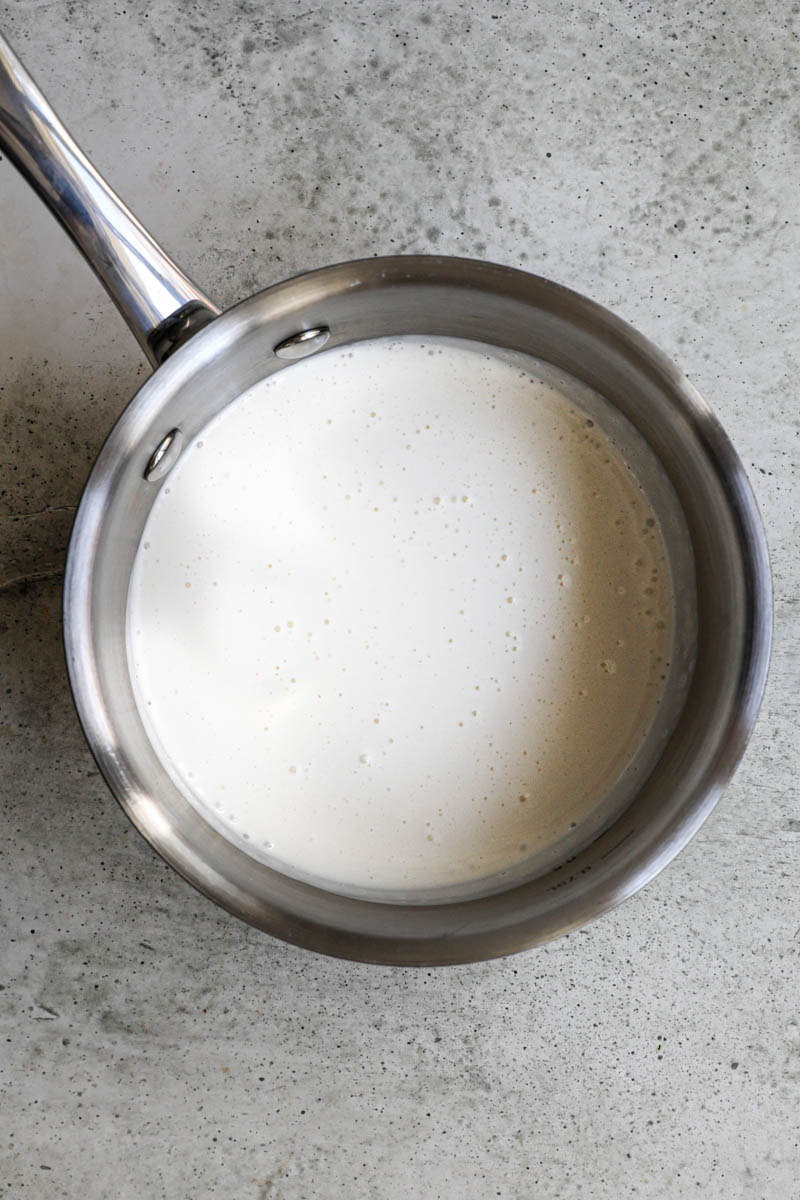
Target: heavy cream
x=400, y=617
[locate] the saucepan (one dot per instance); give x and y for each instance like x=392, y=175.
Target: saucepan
x=203, y=361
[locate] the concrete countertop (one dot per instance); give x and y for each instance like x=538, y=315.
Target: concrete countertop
x=152, y=1045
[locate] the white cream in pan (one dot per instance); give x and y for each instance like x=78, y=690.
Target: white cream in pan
x=401, y=616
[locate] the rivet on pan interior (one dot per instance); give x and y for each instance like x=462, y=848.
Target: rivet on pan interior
x=301, y=344
x=164, y=456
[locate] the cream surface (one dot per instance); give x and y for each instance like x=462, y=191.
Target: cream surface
x=400, y=616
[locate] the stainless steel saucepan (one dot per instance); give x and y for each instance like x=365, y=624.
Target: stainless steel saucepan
x=203, y=361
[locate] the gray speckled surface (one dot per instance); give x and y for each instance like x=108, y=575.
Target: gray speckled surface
x=152, y=1046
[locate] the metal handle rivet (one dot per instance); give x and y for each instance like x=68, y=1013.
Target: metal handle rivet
x=164, y=456
x=303, y=343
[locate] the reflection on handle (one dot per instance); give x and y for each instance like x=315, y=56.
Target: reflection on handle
x=162, y=307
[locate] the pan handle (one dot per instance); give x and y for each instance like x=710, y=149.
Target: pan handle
x=162, y=307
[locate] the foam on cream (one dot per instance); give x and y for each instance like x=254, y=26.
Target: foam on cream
x=400, y=616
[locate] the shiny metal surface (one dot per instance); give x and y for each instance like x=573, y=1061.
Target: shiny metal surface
x=440, y=297
x=302, y=344
x=157, y=300
x=164, y=456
